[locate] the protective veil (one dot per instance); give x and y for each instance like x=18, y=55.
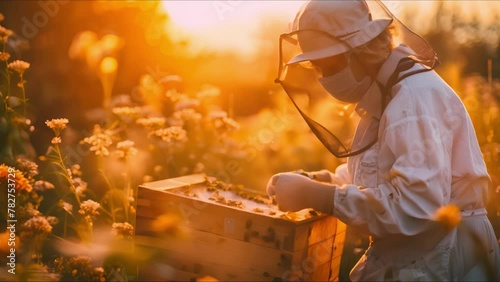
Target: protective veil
x=323, y=29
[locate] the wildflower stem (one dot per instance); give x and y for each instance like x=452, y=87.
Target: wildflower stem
x=7, y=89
x=128, y=193
x=5, y=103
x=23, y=92
x=7, y=76
x=68, y=177
x=71, y=185
x=101, y=172
x=107, y=213
x=65, y=231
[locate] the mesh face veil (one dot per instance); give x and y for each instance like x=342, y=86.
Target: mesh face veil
x=314, y=37
x=322, y=113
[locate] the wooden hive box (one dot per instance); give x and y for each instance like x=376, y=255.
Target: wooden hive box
x=232, y=238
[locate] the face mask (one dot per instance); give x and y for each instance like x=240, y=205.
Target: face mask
x=344, y=87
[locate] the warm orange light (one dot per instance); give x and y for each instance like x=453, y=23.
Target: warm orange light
x=225, y=25
x=108, y=65
x=234, y=25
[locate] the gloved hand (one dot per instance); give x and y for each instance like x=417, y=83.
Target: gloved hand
x=321, y=175
x=341, y=175
x=294, y=192
x=289, y=190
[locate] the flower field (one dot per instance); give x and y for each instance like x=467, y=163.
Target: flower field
x=88, y=117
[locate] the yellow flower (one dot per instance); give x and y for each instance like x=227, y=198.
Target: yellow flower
x=21, y=182
x=5, y=34
x=19, y=66
x=108, y=65
x=4, y=56
x=2, y=17
x=448, y=216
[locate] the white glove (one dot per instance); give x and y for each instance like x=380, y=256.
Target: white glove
x=341, y=175
x=321, y=175
x=289, y=190
x=294, y=192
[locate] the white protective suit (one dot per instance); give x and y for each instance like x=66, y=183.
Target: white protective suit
x=427, y=156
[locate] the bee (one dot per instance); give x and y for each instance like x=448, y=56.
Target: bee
x=259, y=210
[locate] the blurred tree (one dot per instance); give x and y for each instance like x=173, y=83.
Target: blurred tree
x=44, y=36
x=467, y=42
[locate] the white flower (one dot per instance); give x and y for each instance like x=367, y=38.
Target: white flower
x=37, y=225
x=80, y=186
x=152, y=123
x=41, y=185
x=90, y=209
x=57, y=125
x=123, y=230
x=19, y=66
x=222, y=122
x=173, y=133
x=4, y=56
x=125, y=112
x=125, y=149
x=67, y=207
x=187, y=115
x=4, y=33
x=99, y=141
x=186, y=104
x=208, y=91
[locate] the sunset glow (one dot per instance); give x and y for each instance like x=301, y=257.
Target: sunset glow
x=225, y=25
x=234, y=25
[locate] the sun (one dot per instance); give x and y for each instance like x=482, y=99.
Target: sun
x=193, y=15
x=224, y=25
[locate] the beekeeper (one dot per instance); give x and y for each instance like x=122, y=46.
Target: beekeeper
x=412, y=150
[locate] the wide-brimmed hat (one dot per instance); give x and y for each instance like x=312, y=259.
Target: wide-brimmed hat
x=349, y=21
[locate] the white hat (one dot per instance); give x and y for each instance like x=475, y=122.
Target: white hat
x=347, y=20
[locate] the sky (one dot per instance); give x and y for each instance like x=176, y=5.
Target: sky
x=225, y=25
x=234, y=24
